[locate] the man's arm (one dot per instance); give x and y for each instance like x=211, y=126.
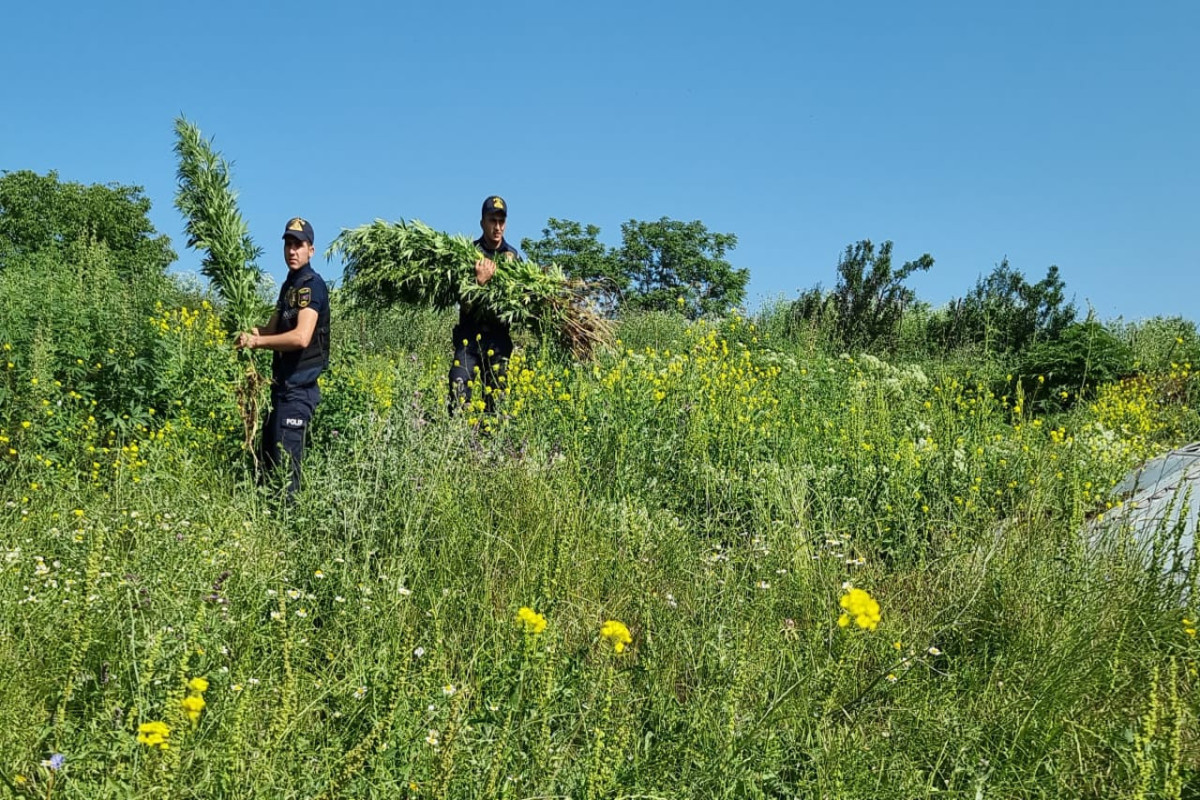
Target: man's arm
x=270, y=327
x=296, y=339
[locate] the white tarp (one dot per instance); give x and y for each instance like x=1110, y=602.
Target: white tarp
x=1162, y=506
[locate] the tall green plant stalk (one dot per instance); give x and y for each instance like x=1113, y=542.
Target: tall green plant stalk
x=215, y=225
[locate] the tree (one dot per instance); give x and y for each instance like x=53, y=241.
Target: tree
x=576, y=248
x=666, y=265
x=673, y=265
x=869, y=300
x=1007, y=314
x=39, y=213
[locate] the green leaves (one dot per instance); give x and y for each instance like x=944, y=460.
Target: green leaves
x=409, y=262
x=576, y=248
x=404, y=262
x=662, y=265
x=870, y=299
x=214, y=224
x=39, y=213
x=1006, y=313
x=668, y=261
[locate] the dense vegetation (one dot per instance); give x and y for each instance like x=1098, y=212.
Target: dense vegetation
x=780, y=555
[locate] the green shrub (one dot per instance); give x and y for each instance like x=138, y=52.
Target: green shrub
x=402, y=329
x=1005, y=313
x=1160, y=345
x=656, y=330
x=1056, y=373
x=39, y=215
x=865, y=307
x=358, y=391
x=99, y=362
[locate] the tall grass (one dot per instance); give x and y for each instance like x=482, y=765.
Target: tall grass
x=709, y=486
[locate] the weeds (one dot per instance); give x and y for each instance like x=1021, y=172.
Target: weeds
x=680, y=524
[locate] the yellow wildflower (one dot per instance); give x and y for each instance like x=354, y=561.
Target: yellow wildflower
x=154, y=734
x=534, y=622
x=617, y=633
x=193, y=704
x=198, y=684
x=860, y=607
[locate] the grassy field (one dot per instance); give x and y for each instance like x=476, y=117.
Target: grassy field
x=839, y=577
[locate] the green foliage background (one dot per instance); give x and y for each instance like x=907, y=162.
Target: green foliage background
x=713, y=484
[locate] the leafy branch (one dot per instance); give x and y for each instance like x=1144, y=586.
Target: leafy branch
x=214, y=225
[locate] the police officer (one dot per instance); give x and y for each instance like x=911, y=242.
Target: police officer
x=298, y=332
x=482, y=342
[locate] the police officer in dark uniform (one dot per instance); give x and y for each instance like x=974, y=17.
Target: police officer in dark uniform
x=483, y=343
x=298, y=332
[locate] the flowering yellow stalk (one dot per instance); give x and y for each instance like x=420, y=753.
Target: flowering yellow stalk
x=154, y=734
x=860, y=607
x=617, y=633
x=534, y=622
x=198, y=684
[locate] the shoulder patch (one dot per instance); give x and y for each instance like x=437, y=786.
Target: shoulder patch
x=304, y=296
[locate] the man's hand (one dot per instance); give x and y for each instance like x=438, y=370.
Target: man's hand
x=247, y=339
x=485, y=268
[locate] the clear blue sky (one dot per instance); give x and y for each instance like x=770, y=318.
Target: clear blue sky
x=1050, y=133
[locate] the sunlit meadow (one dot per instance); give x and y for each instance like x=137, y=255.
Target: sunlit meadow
x=709, y=563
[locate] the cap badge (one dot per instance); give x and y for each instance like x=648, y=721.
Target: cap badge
x=296, y=224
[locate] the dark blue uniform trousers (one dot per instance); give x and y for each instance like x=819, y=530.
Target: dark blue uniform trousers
x=283, y=435
x=472, y=363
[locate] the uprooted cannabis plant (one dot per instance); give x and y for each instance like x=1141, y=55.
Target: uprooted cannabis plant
x=409, y=262
x=215, y=226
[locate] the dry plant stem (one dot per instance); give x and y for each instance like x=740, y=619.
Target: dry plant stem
x=249, y=392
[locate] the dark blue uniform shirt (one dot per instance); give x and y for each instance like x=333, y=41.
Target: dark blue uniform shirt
x=297, y=369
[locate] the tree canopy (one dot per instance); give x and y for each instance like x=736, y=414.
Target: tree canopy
x=40, y=213
x=660, y=265
x=576, y=248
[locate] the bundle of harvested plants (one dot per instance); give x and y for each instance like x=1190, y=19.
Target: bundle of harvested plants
x=409, y=262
